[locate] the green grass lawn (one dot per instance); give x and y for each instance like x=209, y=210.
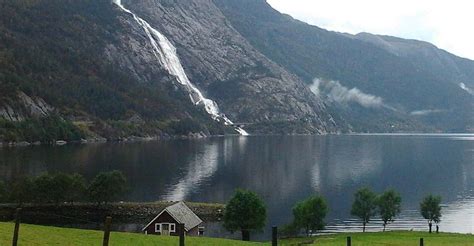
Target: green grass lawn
x=388, y=239
x=45, y=235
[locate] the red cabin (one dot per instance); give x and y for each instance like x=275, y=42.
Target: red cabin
x=166, y=222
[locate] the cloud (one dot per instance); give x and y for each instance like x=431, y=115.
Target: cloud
x=467, y=89
x=447, y=24
x=425, y=112
x=336, y=92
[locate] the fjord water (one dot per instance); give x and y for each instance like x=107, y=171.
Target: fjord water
x=281, y=169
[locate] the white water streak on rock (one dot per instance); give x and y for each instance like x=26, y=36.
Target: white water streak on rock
x=167, y=56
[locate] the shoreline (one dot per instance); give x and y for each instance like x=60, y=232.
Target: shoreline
x=135, y=139
x=89, y=213
x=131, y=139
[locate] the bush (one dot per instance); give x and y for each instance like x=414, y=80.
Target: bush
x=288, y=231
x=44, y=188
x=46, y=130
x=107, y=187
x=77, y=188
x=3, y=192
x=184, y=127
x=59, y=187
x=22, y=190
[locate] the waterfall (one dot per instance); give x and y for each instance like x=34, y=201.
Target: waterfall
x=168, y=58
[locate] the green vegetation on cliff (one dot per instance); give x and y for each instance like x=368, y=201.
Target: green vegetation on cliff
x=45, y=130
x=73, y=76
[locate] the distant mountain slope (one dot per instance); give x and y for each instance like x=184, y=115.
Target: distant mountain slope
x=57, y=54
x=247, y=85
x=76, y=69
x=95, y=69
x=419, y=84
x=425, y=56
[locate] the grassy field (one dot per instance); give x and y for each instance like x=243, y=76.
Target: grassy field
x=388, y=238
x=43, y=235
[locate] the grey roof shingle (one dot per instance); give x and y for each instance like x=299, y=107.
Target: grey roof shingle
x=183, y=214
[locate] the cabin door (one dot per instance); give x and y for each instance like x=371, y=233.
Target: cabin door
x=165, y=229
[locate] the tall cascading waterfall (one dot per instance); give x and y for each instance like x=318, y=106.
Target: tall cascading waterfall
x=166, y=54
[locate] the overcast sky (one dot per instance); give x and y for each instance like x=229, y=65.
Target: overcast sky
x=447, y=24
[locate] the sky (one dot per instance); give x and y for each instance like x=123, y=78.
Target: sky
x=447, y=24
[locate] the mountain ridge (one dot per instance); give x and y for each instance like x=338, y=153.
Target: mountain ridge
x=408, y=84
x=95, y=68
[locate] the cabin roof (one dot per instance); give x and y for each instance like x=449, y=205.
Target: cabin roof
x=182, y=214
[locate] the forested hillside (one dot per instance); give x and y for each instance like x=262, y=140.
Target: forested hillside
x=78, y=70
x=418, y=85
x=54, y=50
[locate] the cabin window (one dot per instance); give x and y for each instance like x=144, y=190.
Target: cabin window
x=201, y=231
x=157, y=227
x=172, y=227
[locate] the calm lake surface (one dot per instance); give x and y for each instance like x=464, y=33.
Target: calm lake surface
x=282, y=170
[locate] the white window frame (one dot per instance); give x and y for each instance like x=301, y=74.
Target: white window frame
x=201, y=229
x=172, y=227
x=156, y=225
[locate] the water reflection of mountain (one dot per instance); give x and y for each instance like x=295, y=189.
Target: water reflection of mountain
x=200, y=167
x=282, y=169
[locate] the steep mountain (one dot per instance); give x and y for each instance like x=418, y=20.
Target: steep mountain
x=75, y=69
x=246, y=85
x=426, y=56
x=88, y=69
x=417, y=86
x=55, y=52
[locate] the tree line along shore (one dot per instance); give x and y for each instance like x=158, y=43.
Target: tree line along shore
x=61, y=198
x=245, y=211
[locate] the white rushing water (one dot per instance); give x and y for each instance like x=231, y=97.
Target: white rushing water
x=168, y=58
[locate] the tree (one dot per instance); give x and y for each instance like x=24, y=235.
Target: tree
x=22, y=190
x=59, y=187
x=431, y=209
x=63, y=184
x=389, y=204
x=3, y=192
x=77, y=188
x=107, y=187
x=310, y=213
x=44, y=188
x=245, y=212
x=364, y=206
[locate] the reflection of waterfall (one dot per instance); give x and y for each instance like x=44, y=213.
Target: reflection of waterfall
x=168, y=58
x=316, y=177
x=202, y=167
x=354, y=162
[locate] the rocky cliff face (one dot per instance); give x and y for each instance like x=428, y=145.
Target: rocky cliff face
x=247, y=86
x=95, y=65
x=23, y=107
x=422, y=88
x=95, y=69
